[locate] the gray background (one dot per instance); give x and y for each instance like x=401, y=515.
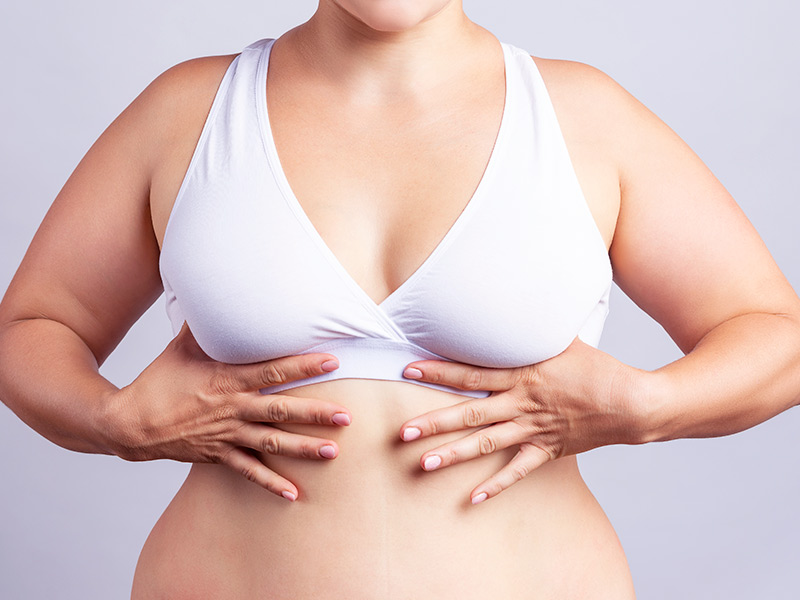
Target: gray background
x=712, y=518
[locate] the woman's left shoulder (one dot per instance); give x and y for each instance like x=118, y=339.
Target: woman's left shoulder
x=574, y=74
x=591, y=104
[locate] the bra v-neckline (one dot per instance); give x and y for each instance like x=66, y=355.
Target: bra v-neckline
x=294, y=204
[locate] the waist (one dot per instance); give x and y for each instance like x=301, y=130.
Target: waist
x=375, y=494
x=374, y=464
x=375, y=517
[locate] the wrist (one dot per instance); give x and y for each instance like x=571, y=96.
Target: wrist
x=649, y=401
x=113, y=424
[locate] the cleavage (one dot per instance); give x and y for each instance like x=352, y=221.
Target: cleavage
x=383, y=190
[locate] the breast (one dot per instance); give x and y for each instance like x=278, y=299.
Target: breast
x=524, y=271
x=525, y=274
x=238, y=268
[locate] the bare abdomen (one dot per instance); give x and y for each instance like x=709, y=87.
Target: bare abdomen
x=371, y=524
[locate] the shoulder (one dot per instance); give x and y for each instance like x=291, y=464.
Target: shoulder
x=168, y=107
x=573, y=74
x=167, y=120
x=591, y=105
x=180, y=97
x=583, y=85
x=192, y=75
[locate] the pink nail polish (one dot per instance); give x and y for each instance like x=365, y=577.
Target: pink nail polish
x=289, y=496
x=330, y=365
x=411, y=433
x=432, y=462
x=480, y=497
x=412, y=373
x=341, y=419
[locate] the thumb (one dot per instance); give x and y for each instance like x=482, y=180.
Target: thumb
x=186, y=342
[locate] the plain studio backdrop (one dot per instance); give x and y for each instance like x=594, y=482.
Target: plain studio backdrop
x=705, y=518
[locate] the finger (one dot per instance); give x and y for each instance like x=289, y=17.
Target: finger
x=463, y=415
x=271, y=440
x=463, y=376
x=482, y=442
x=254, y=376
x=280, y=408
x=254, y=470
x=528, y=458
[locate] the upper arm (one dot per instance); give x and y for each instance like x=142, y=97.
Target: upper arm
x=93, y=262
x=682, y=249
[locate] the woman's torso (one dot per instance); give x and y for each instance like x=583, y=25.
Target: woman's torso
x=371, y=523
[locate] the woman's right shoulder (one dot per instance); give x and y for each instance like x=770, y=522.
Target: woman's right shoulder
x=190, y=77
x=178, y=100
x=174, y=108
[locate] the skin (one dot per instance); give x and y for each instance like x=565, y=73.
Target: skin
x=679, y=245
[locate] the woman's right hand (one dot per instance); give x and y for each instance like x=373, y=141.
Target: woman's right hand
x=188, y=407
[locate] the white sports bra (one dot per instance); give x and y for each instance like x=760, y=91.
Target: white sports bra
x=521, y=272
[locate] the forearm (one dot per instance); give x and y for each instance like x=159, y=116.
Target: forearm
x=743, y=372
x=50, y=379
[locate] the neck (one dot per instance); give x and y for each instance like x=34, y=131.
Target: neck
x=370, y=64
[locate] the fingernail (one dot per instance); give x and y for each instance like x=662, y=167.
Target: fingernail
x=330, y=365
x=412, y=373
x=288, y=495
x=341, y=419
x=327, y=451
x=480, y=497
x=411, y=433
x=432, y=462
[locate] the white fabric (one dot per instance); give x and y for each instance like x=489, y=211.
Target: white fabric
x=522, y=271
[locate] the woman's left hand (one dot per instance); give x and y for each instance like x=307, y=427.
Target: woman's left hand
x=580, y=399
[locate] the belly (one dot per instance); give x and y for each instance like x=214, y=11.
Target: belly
x=371, y=524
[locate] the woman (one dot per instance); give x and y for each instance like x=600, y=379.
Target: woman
x=537, y=518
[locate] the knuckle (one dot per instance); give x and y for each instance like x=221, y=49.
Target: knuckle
x=525, y=403
x=250, y=473
x=270, y=444
x=529, y=375
x=272, y=374
x=224, y=412
x=224, y=454
x=308, y=367
x=221, y=382
x=554, y=450
x=209, y=455
x=472, y=379
x=222, y=457
x=519, y=472
x=452, y=456
x=486, y=444
x=309, y=450
x=473, y=415
x=278, y=411
x=320, y=417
